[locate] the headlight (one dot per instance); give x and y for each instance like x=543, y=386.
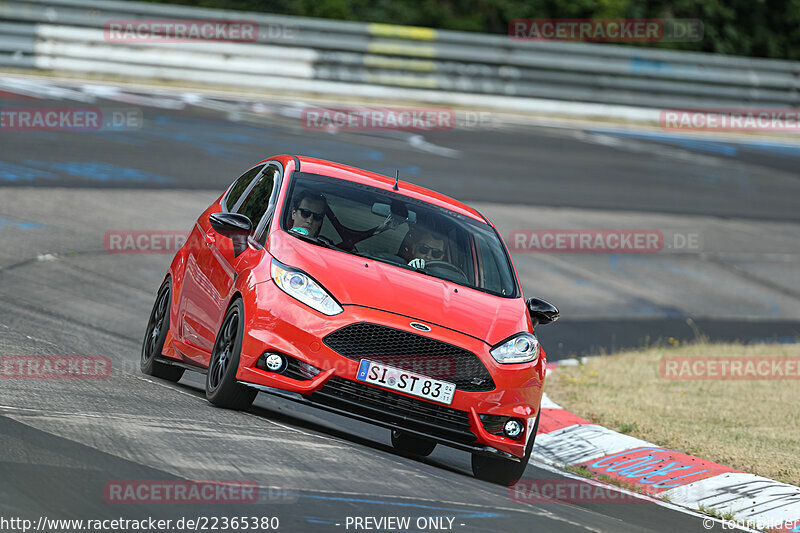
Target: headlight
x=522, y=348
x=300, y=286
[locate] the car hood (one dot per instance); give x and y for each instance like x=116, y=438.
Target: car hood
x=354, y=280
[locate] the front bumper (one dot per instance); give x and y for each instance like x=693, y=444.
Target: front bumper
x=277, y=322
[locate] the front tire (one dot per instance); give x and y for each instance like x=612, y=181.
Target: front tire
x=154, y=337
x=411, y=444
x=222, y=389
x=502, y=471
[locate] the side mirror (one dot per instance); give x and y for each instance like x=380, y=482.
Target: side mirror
x=542, y=312
x=234, y=226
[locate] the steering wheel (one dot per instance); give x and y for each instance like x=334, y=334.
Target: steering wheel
x=447, y=266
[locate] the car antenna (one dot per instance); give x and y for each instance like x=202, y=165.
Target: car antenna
x=396, y=180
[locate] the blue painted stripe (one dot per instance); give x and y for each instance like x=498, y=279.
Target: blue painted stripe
x=16, y=223
x=13, y=173
x=98, y=171
x=680, y=140
x=728, y=147
x=33, y=170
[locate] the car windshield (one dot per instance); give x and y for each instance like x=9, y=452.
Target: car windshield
x=401, y=231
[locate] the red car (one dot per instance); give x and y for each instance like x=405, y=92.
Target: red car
x=362, y=295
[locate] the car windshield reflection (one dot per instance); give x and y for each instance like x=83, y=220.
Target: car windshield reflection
x=401, y=231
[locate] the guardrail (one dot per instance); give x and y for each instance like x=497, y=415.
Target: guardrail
x=379, y=60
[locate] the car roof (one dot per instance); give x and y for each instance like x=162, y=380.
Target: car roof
x=337, y=170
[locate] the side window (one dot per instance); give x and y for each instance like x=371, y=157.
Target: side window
x=257, y=201
x=240, y=185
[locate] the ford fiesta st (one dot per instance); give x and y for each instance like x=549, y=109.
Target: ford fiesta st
x=362, y=295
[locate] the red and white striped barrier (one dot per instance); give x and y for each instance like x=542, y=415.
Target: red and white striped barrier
x=565, y=439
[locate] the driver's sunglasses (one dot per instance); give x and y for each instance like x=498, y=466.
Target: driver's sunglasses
x=305, y=213
x=436, y=253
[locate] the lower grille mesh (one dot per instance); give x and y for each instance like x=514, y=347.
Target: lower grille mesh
x=387, y=406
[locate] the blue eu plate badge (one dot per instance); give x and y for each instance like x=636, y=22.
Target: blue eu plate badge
x=363, y=368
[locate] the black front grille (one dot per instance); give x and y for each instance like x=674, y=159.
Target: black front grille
x=294, y=371
x=412, y=352
x=494, y=423
x=387, y=406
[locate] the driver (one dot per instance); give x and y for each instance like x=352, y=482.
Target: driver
x=309, y=210
x=429, y=246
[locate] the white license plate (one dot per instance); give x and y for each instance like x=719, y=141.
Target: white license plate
x=405, y=381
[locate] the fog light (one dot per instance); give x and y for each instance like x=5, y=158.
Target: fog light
x=273, y=362
x=513, y=428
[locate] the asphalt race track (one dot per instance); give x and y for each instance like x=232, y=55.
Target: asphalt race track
x=62, y=293
x=737, y=200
